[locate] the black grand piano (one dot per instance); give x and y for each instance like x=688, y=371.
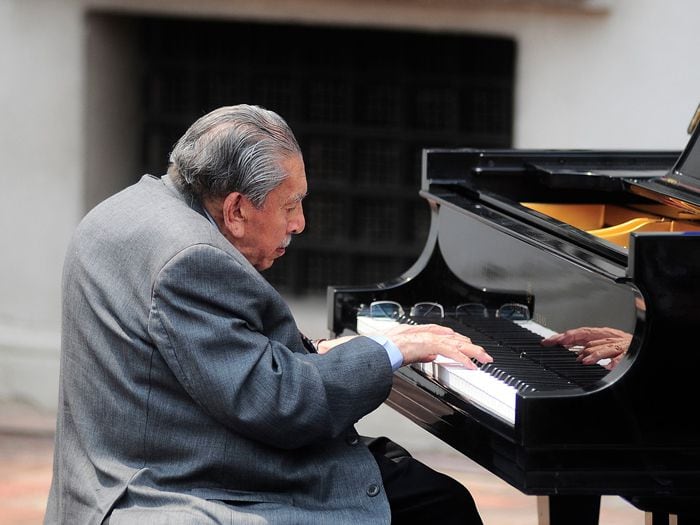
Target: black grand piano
x=564, y=239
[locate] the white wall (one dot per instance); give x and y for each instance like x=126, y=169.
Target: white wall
x=628, y=80
x=41, y=142
x=611, y=74
x=616, y=78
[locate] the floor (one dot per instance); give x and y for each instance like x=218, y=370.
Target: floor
x=26, y=447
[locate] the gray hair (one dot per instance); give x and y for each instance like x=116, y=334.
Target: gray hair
x=233, y=148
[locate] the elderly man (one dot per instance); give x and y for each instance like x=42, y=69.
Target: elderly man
x=187, y=393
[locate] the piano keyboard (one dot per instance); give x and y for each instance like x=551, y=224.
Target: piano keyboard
x=520, y=362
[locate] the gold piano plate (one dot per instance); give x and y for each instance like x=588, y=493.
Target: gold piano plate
x=611, y=222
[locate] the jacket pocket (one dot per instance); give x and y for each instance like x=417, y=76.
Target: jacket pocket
x=242, y=496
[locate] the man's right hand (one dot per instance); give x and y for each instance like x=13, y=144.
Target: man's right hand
x=424, y=342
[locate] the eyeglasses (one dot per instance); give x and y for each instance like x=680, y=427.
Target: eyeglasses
x=513, y=312
x=385, y=310
x=427, y=309
x=471, y=310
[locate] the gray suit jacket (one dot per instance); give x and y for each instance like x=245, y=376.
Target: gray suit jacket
x=186, y=393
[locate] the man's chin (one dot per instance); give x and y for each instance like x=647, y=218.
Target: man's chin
x=266, y=263
x=261, y=267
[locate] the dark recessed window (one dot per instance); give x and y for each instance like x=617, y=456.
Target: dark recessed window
x=362, y=103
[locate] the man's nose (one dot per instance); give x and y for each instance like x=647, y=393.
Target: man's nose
x=297, y=224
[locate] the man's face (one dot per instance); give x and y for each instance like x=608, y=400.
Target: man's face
x=268, y=230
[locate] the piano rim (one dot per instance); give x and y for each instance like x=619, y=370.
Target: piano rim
x=495, y=447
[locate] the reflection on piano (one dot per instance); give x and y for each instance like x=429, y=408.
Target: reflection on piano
x=574, y=238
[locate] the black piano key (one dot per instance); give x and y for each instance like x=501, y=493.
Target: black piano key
x=519, y=358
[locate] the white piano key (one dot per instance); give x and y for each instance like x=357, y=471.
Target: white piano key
x=536, y=328
x=478, y=387
x=374, y=326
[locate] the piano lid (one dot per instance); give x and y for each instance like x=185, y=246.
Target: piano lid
x=682, y=182
x=686, y=172
x=666, y=184
x=594, y=199
x=679, y=185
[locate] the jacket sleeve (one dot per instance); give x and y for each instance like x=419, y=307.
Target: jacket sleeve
x=207, y=319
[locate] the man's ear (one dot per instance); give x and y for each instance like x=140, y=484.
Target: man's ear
x=235, y=214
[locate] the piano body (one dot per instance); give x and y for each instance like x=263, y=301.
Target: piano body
x=582, y=238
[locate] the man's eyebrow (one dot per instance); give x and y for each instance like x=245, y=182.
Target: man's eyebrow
x=299, y=197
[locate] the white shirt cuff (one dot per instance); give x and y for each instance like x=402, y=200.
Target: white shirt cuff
x=395, y=355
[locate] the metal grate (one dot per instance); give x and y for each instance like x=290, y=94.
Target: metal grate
x=363, y=104
x=379, y=219
x=379, y=162
x=328, y=219
x=328, y=158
